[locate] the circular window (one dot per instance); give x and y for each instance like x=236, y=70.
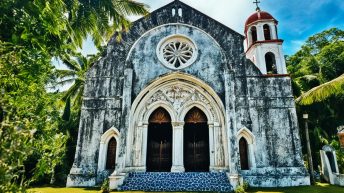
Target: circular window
x=177, y=52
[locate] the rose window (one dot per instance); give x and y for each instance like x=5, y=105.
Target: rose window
x=177, y=52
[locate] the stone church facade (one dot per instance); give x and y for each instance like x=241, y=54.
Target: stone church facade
x=183, y=93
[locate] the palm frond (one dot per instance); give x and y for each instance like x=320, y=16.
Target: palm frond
x=72, y=91
x=70, y=63
x=322, y=92
x=65, y=81
x=62, y=74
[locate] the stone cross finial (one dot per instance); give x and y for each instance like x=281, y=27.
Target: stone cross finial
x=257, y=4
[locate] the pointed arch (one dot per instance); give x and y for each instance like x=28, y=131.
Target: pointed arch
x=247, y=134
x=177, y=93
x=246, y=141
x=108, y=140
x=111, y=154
x=243, y=151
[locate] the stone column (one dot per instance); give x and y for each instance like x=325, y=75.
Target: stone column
x=139, y=147
x=233, y=174
x=144, y=145
x=212, y=153
x=178, y=147
x=252, y=160
x=273, y=31
x=124, y=155
x=218, y=146
x=260, y=32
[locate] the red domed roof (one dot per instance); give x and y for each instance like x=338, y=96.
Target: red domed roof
x=258, y=15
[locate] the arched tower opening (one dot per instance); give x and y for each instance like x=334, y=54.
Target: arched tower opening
x=270, y=62
x=253, y=33
x=267, y=32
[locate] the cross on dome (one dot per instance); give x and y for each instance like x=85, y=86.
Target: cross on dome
x=257, y=4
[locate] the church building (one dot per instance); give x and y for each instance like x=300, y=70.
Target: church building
x=184, y=103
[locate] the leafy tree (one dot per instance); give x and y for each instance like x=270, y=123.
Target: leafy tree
x=75, y=75
x=31, y=34
x=317, y=71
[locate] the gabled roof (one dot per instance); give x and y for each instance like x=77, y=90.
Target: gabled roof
x=178, y=4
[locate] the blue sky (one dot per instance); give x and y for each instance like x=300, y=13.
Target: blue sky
x=298, y=19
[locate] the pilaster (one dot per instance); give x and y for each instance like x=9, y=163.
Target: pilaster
x=178, y=147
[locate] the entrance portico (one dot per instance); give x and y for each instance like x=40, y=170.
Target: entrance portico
x=203, y=140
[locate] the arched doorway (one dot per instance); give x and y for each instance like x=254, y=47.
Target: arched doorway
x=243, y=149
x=196, y=141
x=159, y=144
x=111, y=154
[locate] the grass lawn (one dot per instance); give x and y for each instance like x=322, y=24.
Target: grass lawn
x=319, y=188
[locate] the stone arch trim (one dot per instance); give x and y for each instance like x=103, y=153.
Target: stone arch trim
x=158, y=93
x=250, y=139
x=202, y=106
x=152, y=107
x=104, y=140
x=247, y=134
x=228, y=38
x=177, y=93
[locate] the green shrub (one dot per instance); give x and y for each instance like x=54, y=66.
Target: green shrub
x=239, y=189
x=245, y=185
x=106, y=186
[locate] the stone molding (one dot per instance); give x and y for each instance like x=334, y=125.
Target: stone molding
x=104, y=140
x=177, y=93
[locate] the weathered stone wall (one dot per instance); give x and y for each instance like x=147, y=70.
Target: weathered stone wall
x=273, y=122
x=208, y=66
x=264, y=105
x=101, y=109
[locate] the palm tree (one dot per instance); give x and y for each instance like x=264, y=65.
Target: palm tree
x=323, y=91
x=75, y=75
x=100, y=18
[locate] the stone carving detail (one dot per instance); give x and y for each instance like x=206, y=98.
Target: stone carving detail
x=177, y=52
x=177, y=96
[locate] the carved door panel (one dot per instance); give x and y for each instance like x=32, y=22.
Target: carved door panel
x=196, y=148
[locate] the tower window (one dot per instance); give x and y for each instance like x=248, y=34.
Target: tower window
x=254, y=34
x=267, y=32
x=180, y=12
x=270, y=62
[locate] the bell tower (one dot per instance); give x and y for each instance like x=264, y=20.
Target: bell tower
x=262, y=45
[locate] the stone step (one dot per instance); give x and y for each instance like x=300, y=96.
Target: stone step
x=188, y=181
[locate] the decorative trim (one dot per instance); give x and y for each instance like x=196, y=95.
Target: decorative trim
x=104, y=140
x=177, y=93
x=177, y=52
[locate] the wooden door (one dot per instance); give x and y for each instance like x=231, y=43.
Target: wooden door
x=159, y=147
x=111, y=154
x=196, y=147
x=243, y=149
